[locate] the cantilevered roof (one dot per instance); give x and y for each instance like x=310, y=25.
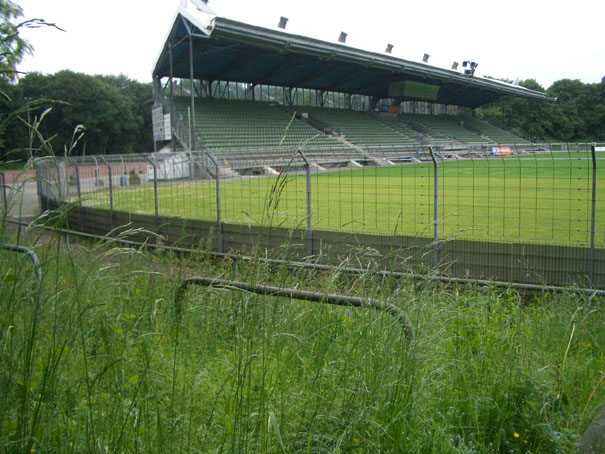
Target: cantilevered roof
x=227, y=50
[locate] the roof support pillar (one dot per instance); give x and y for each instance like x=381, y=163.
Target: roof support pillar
x=192, y=144
x=373, y=103
x=250, y=92
x=157, y=90
x=528, y=122
x=225, y=92
x=288, y=96
x=171, y=77
x=204, y=86
x=158, y=99
x=320, y=96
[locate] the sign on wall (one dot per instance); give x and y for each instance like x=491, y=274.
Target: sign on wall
x=160, y=123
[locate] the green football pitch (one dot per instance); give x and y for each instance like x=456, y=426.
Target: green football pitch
x=531, y=199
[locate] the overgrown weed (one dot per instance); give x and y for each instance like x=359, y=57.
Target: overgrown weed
x=96, y=359
x=101, y=364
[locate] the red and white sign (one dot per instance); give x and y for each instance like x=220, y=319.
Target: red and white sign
x=501, y=151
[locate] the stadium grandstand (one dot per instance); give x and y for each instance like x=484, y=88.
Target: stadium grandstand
x=258, y=98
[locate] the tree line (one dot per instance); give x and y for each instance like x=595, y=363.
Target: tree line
x=578, y=115
x=114, y=111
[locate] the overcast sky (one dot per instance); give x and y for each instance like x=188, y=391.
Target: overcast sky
x=514, y=39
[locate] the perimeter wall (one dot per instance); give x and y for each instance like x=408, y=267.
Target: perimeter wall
x=509, y=262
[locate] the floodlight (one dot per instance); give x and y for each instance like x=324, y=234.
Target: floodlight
x=470, y=67
x=282, y=22
x=389, y=49
x=455, y=65
x=425, y=58
x=342, y=38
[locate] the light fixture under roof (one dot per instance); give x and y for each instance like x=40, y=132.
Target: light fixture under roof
x=389, y=49
x=342, y=38
x=282, y=22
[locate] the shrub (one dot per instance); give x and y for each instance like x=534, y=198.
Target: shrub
x=133, y=178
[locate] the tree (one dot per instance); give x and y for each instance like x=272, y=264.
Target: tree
x=113, y=109
x=578, y=114
x=12, y=46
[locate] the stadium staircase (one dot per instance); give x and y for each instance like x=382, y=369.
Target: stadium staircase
x=445, y=131
x=301, y=113
x=495, y=134
x=379, y=142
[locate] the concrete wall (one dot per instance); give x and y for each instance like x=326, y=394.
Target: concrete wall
x=511, y=262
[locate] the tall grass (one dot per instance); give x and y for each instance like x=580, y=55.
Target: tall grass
x=97, y=360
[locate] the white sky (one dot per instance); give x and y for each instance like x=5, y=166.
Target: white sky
x=516, y=39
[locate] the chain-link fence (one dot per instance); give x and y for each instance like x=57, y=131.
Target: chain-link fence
x=526, y=214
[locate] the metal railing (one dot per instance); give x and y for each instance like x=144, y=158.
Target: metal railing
x=304, y=295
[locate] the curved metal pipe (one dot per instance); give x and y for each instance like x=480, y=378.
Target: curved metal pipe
x=305, y=295
x=32, y=256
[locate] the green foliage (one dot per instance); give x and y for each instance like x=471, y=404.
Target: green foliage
x=113, y=110
x=12, y=47
x=133, y=178
x=578, y=114
x=95, y=359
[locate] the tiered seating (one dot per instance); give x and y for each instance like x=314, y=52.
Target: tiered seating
x=267, y=134
x=423, y=130
x=246, y=130
x=444, y=127
x=494, y=133
x=362, y=129
x=401, y=127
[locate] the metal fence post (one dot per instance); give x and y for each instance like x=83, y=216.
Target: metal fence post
x=309, y=207
x=59, y=185
x=38, y=167
x=219, y=231
x=594, y=213
x=155, y=190
x=191, y=166
x=4, y=202
x=110, y=193
x=436, y=258
x=79, y=196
